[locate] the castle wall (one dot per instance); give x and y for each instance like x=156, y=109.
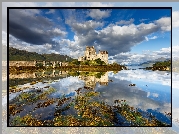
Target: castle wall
x=90, y=53
x=103, y=57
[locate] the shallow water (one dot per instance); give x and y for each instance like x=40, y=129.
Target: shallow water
x=151, y=93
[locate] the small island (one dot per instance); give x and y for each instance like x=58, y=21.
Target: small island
x=161, y=66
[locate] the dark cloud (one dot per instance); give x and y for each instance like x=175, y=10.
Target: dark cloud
x=27, y=35
x=30, y=27
x=30, y=18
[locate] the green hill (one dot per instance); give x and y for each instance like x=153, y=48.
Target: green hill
x=22, y=55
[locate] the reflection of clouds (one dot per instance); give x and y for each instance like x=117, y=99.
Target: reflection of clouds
x=175, y=80
x=152, y=94
x=63, y=86
x=28, y=88
x=148, y=76
x=155, y=95
x=119, y=89
x=67, y=85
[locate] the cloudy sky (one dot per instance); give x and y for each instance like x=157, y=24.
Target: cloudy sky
x=129, y=35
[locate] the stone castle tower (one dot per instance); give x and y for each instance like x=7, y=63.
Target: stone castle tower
x=90, y=54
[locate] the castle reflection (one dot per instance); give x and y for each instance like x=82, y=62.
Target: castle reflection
x=96, y=77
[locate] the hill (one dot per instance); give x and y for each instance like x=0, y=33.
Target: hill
x=150, y=63
x=22, y=55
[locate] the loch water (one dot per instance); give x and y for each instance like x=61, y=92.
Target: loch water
x=151, y=93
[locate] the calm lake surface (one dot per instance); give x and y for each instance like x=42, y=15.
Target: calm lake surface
x=152, y=92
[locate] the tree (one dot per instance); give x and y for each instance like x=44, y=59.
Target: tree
x=99, y=62
x=75, y=62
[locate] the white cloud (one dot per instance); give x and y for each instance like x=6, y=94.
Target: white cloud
x=83, y=29
x=163, y=51
x=164, y=23
x=175, y=19
x=124, y=22
x=146, y=38
x=99, y=14
x=60, y=32
x=141, y=20
x=154, y=37
x=51, y=11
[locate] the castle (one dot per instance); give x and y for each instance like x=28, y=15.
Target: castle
x=90, y=54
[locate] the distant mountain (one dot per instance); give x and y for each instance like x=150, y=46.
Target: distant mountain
x=150, y=63
x=162, y=59
x=132, y=65
x=22, y=55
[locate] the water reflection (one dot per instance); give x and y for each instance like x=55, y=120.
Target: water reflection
x=95, y=77
x=158, y=77
x=146, y=95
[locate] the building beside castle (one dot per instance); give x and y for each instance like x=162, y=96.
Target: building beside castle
x=90, y=54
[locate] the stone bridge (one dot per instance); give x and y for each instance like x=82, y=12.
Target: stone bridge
x=34, y=63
